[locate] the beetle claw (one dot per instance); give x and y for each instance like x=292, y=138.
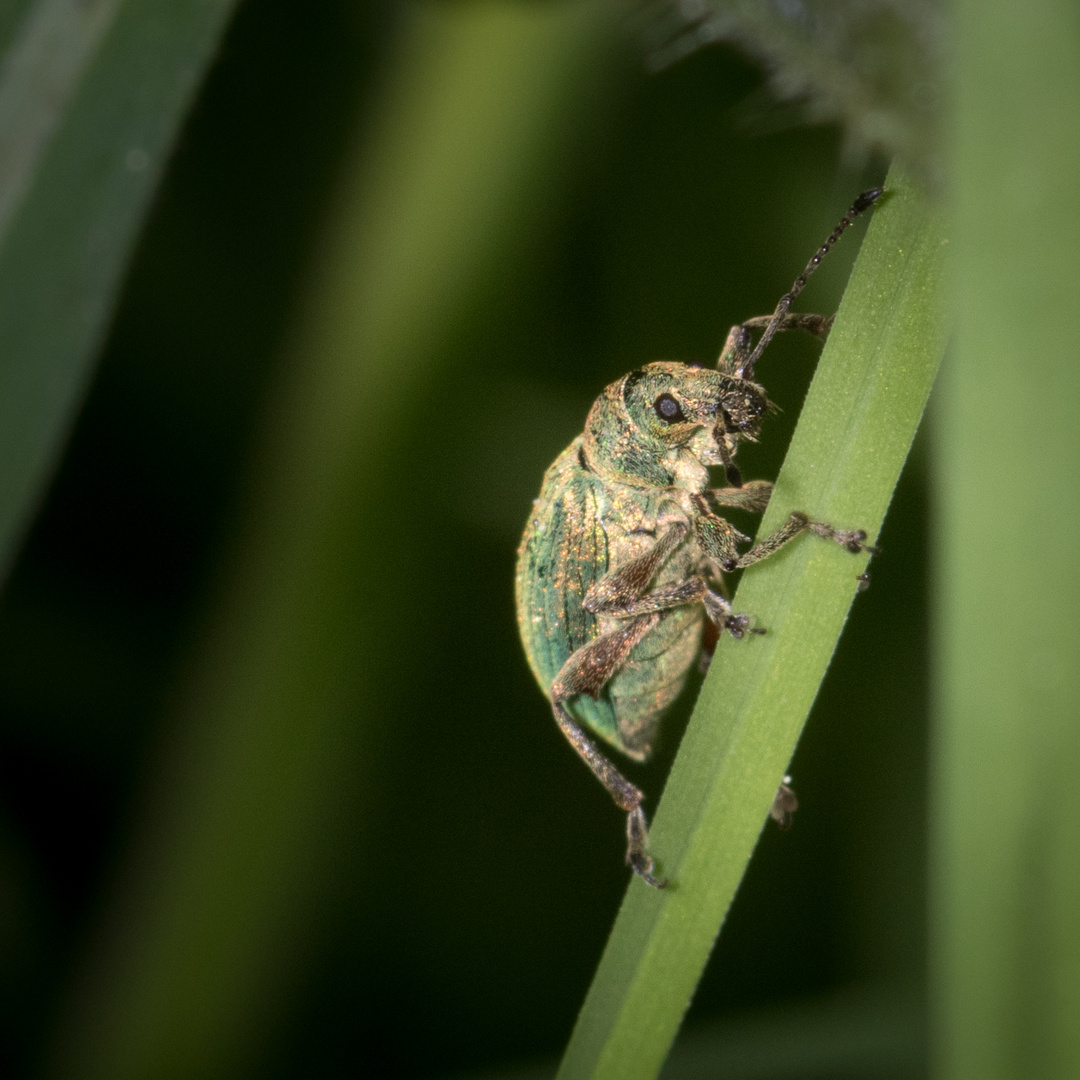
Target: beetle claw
x=738, y=625
x=637, y=856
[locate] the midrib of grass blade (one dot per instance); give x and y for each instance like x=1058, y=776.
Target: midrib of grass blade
x=92, y=97
x=853, y=437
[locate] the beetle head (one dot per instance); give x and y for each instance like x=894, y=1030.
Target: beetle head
x=665, y=420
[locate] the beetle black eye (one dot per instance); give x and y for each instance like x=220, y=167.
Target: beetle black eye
x=667, y=408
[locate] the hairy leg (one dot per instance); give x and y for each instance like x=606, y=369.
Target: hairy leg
x=739, y=344
x=852, y=539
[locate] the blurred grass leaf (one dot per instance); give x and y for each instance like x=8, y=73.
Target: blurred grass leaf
x=92, y=97
x=845, y=458
x=242, y=835
x=1005, y=885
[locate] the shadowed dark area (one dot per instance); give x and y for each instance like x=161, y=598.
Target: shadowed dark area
x=486, y=867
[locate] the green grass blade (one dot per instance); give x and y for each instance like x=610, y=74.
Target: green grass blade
x=91, y=99
x=1005, y=887
x=852, y=439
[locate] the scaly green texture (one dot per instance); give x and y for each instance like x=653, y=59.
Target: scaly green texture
x=620, y=498
x=853, y=436
x=92, y=96
x=1006, y=808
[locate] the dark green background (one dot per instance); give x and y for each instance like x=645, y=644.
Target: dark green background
x=481, y=865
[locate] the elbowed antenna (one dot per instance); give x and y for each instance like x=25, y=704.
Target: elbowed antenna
x=859, y=206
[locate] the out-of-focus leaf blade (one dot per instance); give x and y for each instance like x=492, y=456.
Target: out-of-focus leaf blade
x=92, y=96
x=1005, y=884
x=231, y=873
x=874, y=66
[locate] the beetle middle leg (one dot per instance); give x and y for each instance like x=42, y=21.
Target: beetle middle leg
x=619, y=594
x=694, y=590
x=622, y=595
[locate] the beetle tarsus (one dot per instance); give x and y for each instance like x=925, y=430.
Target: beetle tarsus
x=784, y=805
x=637, y=856
x=738, y=625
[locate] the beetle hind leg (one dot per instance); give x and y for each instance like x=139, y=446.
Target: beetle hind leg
x=585, y=672
x=784, y=804
x=625, y=795
x=637, y=849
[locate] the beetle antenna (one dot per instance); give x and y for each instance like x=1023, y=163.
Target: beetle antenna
x=861, y=204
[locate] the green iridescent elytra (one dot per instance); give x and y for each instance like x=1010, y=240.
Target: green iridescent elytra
x=620, y=569
x=601, y=506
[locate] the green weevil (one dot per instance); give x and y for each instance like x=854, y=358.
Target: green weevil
x=620, y=571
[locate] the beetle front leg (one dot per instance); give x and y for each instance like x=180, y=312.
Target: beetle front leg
x=754, y=496
x=852, y=539
x=739, y=344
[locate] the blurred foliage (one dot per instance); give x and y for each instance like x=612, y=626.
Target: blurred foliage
x=91, y=99
x=265, y=813
x=1006, y=821
x=875, y=67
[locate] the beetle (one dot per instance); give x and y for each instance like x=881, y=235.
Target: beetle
x=620, y=569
